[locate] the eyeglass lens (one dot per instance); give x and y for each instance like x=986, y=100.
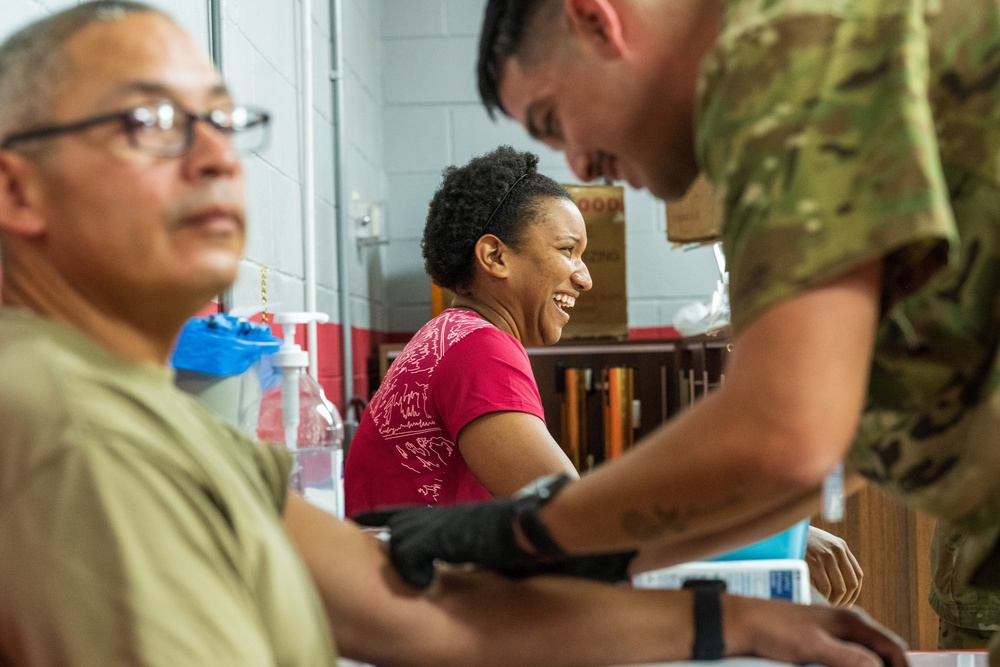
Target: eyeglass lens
x=164, y=129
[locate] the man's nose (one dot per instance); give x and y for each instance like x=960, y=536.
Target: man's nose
x=212, y=153
x=583, y=166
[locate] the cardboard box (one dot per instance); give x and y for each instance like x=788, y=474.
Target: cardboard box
x=697, y=217
x=603, y=311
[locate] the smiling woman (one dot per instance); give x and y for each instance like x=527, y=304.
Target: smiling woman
x=458, y=416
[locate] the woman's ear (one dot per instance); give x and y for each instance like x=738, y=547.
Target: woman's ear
x=19, y=196
x=491, y=256
x=597, y=24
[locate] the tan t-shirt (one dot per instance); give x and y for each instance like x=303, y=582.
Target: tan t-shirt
x=136, y=528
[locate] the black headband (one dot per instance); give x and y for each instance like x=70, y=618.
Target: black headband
x=502, y=200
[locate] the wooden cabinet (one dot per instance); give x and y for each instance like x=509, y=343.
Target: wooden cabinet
x=892, y=544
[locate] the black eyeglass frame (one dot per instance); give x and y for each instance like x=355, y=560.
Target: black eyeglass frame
x=130, y=124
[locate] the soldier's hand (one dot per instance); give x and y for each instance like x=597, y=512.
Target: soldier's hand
x=479, y=533
x=468, y=533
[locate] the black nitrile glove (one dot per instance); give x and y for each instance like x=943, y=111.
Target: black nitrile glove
x=468, y=533
x=480, y=533
x=611, y=567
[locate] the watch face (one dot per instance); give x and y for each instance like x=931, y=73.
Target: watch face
x=544, y=487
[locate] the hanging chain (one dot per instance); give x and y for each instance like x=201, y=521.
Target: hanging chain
x=263, y=294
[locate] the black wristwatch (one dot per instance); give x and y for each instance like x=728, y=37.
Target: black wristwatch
x=527, y=502
x=708, y=642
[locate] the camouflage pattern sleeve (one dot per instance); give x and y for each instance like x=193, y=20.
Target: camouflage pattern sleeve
x=815, y=127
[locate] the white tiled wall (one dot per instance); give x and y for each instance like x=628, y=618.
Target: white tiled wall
x=433, y=118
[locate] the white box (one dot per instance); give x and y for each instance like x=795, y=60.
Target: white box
x=779, y=579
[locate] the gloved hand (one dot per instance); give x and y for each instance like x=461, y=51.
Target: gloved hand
x=480, y=533
x=468, y=533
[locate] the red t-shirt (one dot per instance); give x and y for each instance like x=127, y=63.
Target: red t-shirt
x=456, y=368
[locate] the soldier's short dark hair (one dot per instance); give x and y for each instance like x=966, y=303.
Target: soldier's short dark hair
x=511, y=28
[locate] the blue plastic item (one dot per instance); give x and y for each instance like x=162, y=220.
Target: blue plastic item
x=222, y=345
x=788, y=544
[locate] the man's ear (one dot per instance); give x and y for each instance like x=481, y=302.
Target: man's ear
x=18, y=196
x=491, y=256
x=597, y=24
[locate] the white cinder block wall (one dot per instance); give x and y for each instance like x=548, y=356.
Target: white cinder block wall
x=261, y=62
x=433, y=118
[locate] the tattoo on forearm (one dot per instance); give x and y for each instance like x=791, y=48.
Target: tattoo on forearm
x=645, y=524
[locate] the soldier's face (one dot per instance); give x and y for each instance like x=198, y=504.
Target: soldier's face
x=618, y=109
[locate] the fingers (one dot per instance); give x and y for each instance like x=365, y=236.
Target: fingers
x=818, y=577
x=837, y=653
x=413, y=564
x=858, y=578
x=417, y=575
x=839, y=589
x=411, y=544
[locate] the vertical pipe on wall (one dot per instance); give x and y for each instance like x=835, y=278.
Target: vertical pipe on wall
x=337, y=76
x=215, y=50
x=308, y=178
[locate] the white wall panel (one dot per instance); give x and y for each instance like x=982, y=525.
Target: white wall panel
x=192, y=14
x=260, y=212
x=475, y=133
x=326, y=238
x=463, y=17
x=406, y=280
x=286, y=197
x=18, y=13
x=429, y=71
x=416, y=139
x=406, y=18
x=407, y=206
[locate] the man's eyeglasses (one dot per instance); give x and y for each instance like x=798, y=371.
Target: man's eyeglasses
x=165, y=129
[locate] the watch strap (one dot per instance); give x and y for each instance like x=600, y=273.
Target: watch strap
x=708, y=642
x=526, y=513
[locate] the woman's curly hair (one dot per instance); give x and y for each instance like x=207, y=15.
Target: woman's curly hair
x=500, y=192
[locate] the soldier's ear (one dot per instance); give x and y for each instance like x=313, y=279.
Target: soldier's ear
x=20, y=195
x=598, y=25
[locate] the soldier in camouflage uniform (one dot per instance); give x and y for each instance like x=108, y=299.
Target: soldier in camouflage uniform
x=855, y=146
x=929, y=433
